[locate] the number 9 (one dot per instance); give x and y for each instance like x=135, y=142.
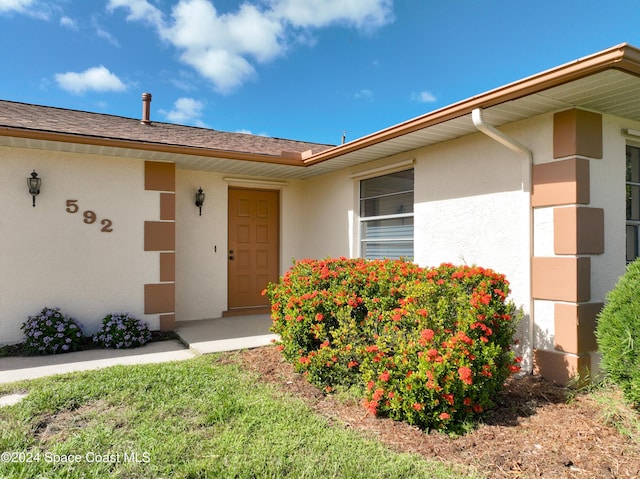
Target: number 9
x=89, y=217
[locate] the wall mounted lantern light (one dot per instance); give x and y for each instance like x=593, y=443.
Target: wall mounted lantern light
x=34, y=186
x=199, y=200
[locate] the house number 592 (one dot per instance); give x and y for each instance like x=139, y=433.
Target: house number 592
x=89, y=216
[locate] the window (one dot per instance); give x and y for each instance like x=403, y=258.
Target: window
x=633, y=202
x=386, y=216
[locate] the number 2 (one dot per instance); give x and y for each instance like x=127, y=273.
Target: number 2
x=106, y=226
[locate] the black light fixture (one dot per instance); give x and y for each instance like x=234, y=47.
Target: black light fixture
x=34, y=186
x=199, y=200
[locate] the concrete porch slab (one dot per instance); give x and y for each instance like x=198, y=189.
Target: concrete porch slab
x=226, y=334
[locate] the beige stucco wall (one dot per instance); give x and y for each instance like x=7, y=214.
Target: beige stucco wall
x=607, y=185
x=201, y=246
x=326, y=219
x=470, y=207
x=52, y=258
x=202, y=241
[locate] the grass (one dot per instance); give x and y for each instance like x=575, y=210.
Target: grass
x=615, y=411
x=198, y=418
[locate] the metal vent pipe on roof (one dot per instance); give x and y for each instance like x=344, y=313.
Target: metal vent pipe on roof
x=146, y=109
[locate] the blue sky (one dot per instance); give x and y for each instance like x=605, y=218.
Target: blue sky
x=299, y=69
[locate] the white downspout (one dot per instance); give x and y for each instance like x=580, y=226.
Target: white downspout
x=495, y=134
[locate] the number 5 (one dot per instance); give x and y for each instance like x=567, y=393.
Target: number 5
x=72, y=206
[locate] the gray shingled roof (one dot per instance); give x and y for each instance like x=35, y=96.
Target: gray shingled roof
x=48, y=119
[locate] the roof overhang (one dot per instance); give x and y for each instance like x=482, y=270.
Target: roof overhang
x=607, y=82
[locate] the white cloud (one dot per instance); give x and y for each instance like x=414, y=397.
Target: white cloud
x=424, y=97
x=14, y=5
x=139, y=10
x=32, y=8
x=186, y=111
x=362, y=14
x=364, y=94
x=96, y=78
x=225, y=47
x=105, y=35
x=248, y=132
x=68, y=22
x=218, y=46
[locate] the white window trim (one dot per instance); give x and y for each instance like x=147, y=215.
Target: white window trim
x=383, y=170
x=359, y=220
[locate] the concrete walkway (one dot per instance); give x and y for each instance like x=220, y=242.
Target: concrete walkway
x=196, y=337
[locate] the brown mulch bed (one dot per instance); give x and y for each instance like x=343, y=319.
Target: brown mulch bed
x=533, y=432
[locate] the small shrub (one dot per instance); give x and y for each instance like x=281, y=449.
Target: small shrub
x=51, y=332
x=121, y=330
x=618, y=334
x=426, y=346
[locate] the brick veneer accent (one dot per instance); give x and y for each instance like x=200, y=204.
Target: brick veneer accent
x=575, y=326
x=578, y=231
x=167, y=322
x=167, y=267
x=167, y=206
x=159, y=176
x=160, y=236
x=560, y=367
x=159, y=298
x=561, y=278
x=563, y=182
x=577, y=132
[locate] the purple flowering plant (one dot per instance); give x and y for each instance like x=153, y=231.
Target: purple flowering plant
x=51, y=332
x=122, y=330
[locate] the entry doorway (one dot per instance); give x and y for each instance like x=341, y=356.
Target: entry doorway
x=254, y=245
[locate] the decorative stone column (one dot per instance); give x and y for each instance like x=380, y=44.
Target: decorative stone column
x=578, y=233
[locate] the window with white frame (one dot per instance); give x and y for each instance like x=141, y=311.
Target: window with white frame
x=633, y=202
x=386, y=216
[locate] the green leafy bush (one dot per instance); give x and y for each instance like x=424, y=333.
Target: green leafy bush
x=121, y=331
x=51, y=332
x=618, y=334
x=426, y=346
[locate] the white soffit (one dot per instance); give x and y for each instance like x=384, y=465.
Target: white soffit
x=610, y=92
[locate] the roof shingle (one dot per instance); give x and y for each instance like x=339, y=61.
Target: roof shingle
x=48, y=119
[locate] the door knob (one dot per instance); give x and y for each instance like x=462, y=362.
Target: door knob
x=230, y=254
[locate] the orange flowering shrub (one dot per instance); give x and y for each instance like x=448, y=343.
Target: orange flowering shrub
x=427, y=346
x=322, y=310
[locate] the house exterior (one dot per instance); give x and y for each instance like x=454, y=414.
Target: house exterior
x=539, y=180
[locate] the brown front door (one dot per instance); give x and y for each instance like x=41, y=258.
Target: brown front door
x=254, y=225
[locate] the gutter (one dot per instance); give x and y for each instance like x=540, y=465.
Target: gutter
x=285, y=158
x=527, y=165
x=623, y=57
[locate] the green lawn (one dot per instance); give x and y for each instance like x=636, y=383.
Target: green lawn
x=201, y=418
